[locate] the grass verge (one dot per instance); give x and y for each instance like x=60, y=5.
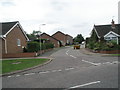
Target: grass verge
x=20, y=64
x=115, y=54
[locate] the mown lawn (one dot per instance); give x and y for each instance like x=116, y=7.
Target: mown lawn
x=20, y=64
x=115, y=54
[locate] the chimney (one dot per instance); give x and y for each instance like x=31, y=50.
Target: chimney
x=113, y=24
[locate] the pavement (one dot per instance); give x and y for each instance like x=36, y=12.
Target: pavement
x=69, y=69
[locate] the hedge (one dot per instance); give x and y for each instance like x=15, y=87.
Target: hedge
x=36, y=46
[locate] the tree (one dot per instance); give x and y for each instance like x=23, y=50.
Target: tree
x=94, y=36
x=79, y=38
x=34, y=35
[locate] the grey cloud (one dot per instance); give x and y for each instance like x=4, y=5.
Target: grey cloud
x=58, y=5
x=7, y=3
x=79, y=25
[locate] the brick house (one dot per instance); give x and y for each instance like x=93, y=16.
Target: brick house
x=107, y=32
x=50, y=39
x=13, y=38
x=63, y=38
x=69, y=39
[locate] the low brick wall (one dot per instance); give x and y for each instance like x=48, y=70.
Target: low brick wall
x=22, y=55
x=43, y=51
x=110, y=52
x=105, y=52
x=18, y=55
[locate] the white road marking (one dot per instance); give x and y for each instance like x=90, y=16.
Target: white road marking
x=59, y=70
x=107, y=63
x=67, y=52
x=115, y=62
x=73, y=56
x=17, y=75
x=29, y=74
x=9, y=76
x=69, y=68
x=91, y=62
x=56, y=70
x=78, y=86
x=44, y=72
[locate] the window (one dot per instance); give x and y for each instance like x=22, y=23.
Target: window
x=107, y=38
x=18, y=42
x=114, y=38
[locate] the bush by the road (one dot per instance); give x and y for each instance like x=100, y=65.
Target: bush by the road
x=111, y=45
x=33, y=46
x=36, y=46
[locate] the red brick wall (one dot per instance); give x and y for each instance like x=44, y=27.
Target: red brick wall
x=22, y=55
x=69, y=39
x=55, y=42
x=60, y=37
x=11, y=40
x=105, y=52
x=18, y=55
x=110, y=52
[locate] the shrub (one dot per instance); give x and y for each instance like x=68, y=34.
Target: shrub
x=91, y=45
x=49, y=45
x=33, y=46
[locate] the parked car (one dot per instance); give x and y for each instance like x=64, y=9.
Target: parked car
x=76, y=46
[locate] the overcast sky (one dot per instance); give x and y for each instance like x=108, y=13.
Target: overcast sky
x=69, y=16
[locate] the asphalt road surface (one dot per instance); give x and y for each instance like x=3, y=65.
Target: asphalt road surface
x=69, y=69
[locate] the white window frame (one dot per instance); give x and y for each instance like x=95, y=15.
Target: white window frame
x=18, y=42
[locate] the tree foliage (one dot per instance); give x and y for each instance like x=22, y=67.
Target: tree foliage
x=34, y=35
x=79, y=38
x=94, y=36
x=34, y=46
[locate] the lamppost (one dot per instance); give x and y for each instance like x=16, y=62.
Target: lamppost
x=40, y=35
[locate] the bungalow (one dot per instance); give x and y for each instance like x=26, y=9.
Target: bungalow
x=65, y=39
x=13, y=38
x=51, y=39
x=69, y=39
x=107, y=32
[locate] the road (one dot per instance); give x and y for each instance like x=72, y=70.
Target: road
x=69, y=69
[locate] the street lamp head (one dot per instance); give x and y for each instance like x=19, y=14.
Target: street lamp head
x=43, y=24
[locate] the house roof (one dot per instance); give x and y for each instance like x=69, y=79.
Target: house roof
x=8, y=27
x=69, y=35
x=58, y=32
x=62, y=33
x=49, y=36
x=102, y=30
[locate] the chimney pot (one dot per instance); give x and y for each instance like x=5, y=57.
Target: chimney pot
x=113, y=24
